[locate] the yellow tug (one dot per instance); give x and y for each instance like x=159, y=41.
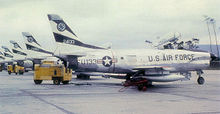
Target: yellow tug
x=15, y=69
x=49, y=70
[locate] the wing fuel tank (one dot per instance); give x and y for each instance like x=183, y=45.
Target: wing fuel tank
x=165, y=78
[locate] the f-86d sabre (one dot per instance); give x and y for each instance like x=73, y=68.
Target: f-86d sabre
x=152, y=65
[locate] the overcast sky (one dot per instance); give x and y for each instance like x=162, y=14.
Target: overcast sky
x=124, y=23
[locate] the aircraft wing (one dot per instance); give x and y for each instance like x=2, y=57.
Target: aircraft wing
x=19, y=59
x=159, y=73
x=76, y=54
x=6, y=61
x=157, y=68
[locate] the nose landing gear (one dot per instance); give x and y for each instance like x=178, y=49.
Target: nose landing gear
x=200, y=79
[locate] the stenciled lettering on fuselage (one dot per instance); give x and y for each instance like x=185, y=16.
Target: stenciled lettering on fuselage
x=176, y=57
x=105, y=61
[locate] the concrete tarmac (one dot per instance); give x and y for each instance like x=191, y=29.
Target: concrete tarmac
x=19, y=94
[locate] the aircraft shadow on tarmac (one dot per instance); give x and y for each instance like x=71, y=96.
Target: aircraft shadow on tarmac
x=152, y=88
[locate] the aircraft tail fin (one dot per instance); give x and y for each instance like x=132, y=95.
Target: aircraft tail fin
x=64, y=35
x=2, y=55
x=7, y=52
x=32, y=44
x=17, y=49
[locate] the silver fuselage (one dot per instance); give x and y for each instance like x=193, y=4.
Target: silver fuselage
x=124, y=61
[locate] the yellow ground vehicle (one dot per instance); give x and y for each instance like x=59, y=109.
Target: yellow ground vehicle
x=15, y=69
x=48, y=70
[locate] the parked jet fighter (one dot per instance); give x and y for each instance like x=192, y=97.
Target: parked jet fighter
x=16, y=55
x=150, y=64
x=8, y=55
x=20, y=56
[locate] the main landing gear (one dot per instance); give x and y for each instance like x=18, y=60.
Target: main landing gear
x=141, y=83
x=83, y=77
x=200, y=79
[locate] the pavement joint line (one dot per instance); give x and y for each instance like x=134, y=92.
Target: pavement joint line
x=188, y=96
x=60, y=108
x=207, y=113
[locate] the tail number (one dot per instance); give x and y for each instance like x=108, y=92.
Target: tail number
x=69, y=41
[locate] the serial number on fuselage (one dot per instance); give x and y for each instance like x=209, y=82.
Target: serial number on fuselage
x=87, y=61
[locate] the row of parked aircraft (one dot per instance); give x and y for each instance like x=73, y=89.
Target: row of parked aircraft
x=153, y=65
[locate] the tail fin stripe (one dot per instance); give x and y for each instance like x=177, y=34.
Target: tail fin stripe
x=8, y=55
x=31, y=39
x=61, y=26
x=2, y=57
x=15, y=44
x=28, y=37
x=64, y=39
x=19, y=52
x=33, y=48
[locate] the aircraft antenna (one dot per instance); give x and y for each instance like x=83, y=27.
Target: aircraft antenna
x=207, y=23
x=216, y=39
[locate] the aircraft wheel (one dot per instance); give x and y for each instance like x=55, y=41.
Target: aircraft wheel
x=86, y=77
x=38, y=81
x=78, y=76
x=144, y=88
x=201, y=80
x=140, y=87
x=56, y=82
x=83, y=77
x=21, y=72
x=65, y=82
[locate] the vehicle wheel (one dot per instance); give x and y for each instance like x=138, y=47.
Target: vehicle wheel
x=38, y=81
x=56, y=82
x=65, y=82
x=16, y=73
x=201, y=80
x=9, y=72
x=21, y=72
x=78, y=76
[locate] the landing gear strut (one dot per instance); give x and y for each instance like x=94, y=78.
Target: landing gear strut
x=200, y=79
